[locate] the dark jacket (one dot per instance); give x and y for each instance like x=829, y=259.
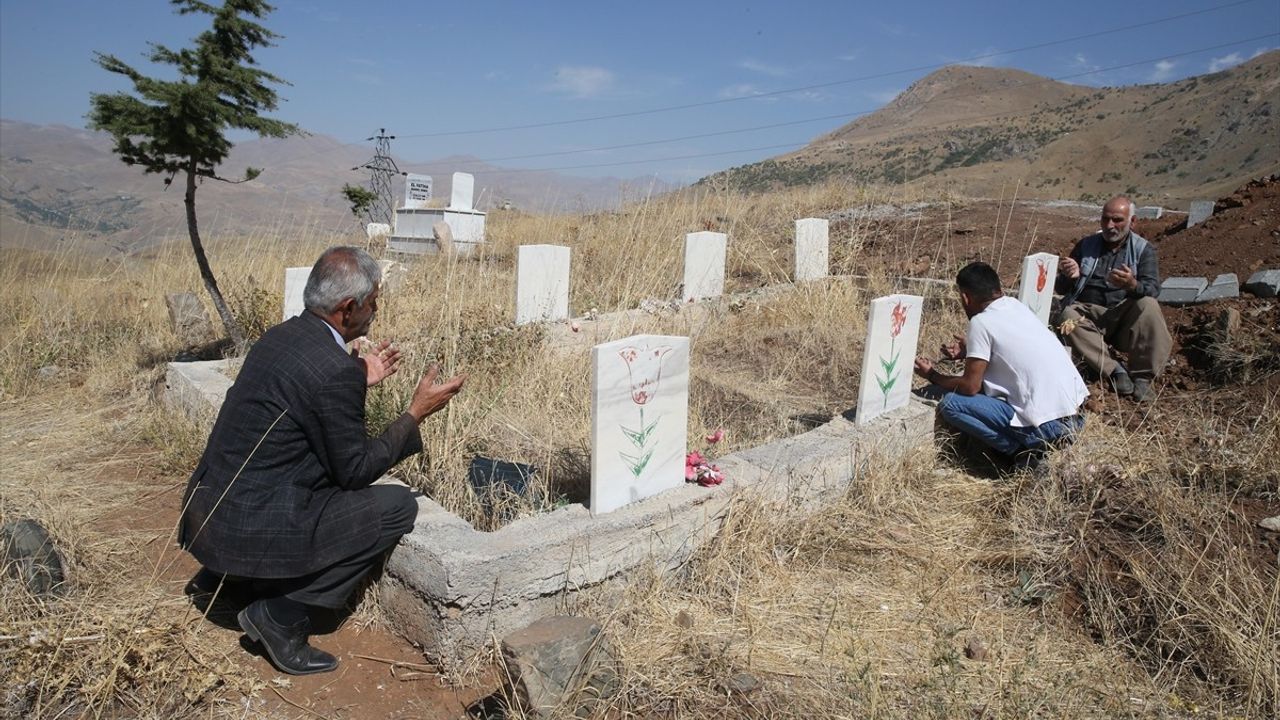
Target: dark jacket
x=277, y=492
x=1138, y=254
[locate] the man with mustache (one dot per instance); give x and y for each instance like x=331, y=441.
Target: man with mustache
x=282, y=504
x=1109, y=284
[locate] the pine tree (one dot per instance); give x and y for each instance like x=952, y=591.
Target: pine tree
x=178, y=126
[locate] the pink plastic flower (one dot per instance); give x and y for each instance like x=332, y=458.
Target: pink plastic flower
x=716, y=436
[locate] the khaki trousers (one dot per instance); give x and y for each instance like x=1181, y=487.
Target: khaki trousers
x=1135, y=326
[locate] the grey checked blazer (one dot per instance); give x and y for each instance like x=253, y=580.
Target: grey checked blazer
x=277, y=493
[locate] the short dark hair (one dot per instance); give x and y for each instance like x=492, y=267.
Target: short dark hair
x=979, y=280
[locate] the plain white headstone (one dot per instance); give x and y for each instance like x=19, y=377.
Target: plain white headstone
x=1201, y=210
x=639, y=418
x=460, y=196
x=542, y=283
x=893, y=331
x=811, y=248
x=704, y=265
x=1036, y=289
x=417, y=191
x=295, y=282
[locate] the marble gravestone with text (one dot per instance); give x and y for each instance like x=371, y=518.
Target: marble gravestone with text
x=704, y=254
x=1036, y=289
x=811, y=248
x=542, y=283
x=893, y=331
x=295, y=282
x=639, y=418
x=417, y=191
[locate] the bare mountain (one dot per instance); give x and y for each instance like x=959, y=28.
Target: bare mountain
x=62, y=185
x=984, y=129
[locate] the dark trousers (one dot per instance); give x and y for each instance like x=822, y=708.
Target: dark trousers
x=332, y=586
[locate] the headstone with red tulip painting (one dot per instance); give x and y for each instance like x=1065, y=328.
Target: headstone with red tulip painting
x=1036, y=290
x=893, y=331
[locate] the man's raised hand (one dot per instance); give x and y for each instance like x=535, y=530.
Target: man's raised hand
x=381, y=360
x=954, y=350
x=428, y=397
x=1069, y=267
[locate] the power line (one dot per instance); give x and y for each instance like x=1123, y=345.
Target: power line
x=826, y=117
x=706, y=103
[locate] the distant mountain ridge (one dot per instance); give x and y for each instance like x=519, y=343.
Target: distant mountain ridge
x=983, y=129
x=58, y=182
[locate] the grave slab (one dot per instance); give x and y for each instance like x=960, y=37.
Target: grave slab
x=1181, y=290
x=417, y=191
x=295, y=282
x=1225, y=286
x=1264, y=283
x=639, y=418
x=812, y=248
x=542, y=283
x=1036, y=289
x=893, y=331
x=1149, y=212
x=1200, y=211
x=462, y=192
x=704, y=254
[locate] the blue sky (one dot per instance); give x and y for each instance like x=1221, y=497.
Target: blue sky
x=427, y=68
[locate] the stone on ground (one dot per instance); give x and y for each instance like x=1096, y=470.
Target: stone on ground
x=1264, y=283
x=188, y=319
x=1182, y=290
x=1223, y=287
x=29, y=555
x=559, y=667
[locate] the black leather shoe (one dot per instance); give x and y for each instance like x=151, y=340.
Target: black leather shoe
x=285, y=644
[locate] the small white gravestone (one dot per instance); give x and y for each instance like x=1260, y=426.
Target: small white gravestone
x=893, y=330
x=542, y=283
x=1036, y=288
x=417, y=191
x=1201, y=210
x=811, y=248
x=464, y=185
x=295, y=282
x=704, y=265
x=373, y=230
x=639, y=418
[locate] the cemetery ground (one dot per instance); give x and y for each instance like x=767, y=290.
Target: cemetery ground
x=1132, y=580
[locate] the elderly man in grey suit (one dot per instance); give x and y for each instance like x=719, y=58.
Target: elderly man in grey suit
x=282, y=499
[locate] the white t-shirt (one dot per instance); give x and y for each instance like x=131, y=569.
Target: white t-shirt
x=1028, y=367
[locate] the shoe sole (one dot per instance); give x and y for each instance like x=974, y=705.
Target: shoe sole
x=256, y=635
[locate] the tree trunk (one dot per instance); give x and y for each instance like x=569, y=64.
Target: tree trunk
x=206, y=273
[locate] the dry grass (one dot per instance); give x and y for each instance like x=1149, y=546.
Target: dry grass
x=1099, y=593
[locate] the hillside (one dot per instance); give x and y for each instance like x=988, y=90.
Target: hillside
x=982, y=129
x=62, y=185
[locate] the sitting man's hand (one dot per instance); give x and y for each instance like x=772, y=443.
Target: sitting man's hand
x=954, y=350
x=1123, y=278
x=429, y=398
x=381, y=360
x=923, y=367
x=1069, y=267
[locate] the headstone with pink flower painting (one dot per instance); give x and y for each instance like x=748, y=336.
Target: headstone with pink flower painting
x=295, y=282
x=704, y=265
x=542, y=283
x=639, y=414
x=893, y=331
x=1036, y=289
x=811, y=248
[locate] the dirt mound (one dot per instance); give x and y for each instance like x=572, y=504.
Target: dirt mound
x=1242, y=236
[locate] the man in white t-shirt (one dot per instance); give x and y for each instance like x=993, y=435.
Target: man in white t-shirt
x=1019, y=392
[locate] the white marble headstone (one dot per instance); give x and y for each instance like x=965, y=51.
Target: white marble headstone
x=893, y=330
x=1201, y=210
x=1036, y=289
x=417, y=191
x=295, y=282
x=639, y=418
x=460, y=195
x=542, y=283
x=811, y=249
x=704, y=265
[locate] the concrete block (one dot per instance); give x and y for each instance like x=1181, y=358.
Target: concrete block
x=1264, y=283
x=1149, y=212
x=1181, y=290
x=1223, y=287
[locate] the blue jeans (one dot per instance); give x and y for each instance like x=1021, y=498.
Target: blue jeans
x=987, y=419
